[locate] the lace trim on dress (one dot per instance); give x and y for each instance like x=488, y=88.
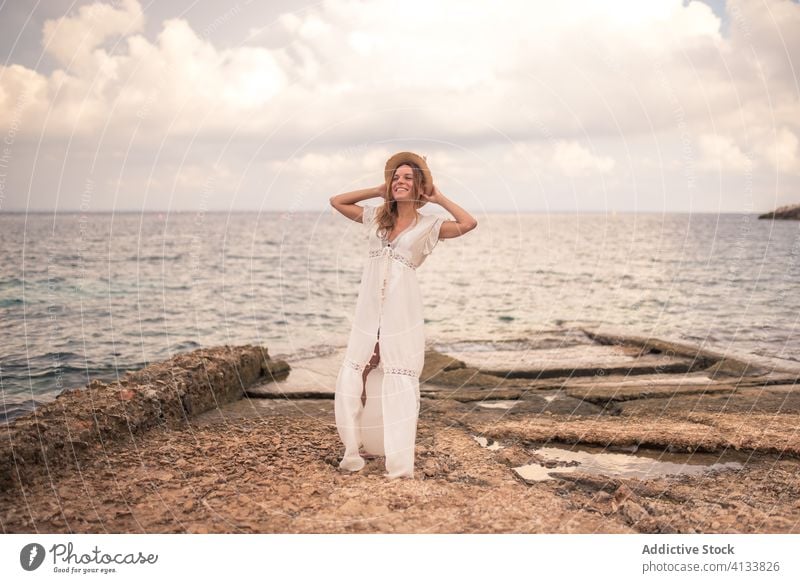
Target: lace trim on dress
x=354, y=365
x=399, y=370
x=386, y=369
x=394, y=255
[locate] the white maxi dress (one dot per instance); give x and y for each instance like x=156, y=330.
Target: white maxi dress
x=389, y=312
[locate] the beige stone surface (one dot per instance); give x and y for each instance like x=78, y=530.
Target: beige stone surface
x=270, y=465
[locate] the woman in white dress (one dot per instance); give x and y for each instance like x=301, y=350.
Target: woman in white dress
x=377, y=388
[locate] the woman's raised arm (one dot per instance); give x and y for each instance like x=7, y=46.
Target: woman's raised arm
x=346, y=203
x=464, y=222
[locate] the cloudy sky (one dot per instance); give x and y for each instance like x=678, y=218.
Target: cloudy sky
x=664, y=105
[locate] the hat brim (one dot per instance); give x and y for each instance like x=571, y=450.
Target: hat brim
x=402, y=157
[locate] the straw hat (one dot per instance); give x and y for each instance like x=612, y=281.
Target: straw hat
x=403, y=157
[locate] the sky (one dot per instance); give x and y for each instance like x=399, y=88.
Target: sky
x=518, y=105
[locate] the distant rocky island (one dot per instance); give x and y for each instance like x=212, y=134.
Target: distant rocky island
x=789, y=212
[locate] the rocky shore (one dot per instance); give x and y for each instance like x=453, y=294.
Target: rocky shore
x=580, y=431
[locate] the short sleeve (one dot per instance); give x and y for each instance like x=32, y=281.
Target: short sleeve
x=368, y=216
x=433, y=236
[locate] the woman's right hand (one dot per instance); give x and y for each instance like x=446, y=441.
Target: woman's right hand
x=380, y=190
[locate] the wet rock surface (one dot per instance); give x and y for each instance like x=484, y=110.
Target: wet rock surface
x=271, y=464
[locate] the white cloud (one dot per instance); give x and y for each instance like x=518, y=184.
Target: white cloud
x=786, y=152
x=721, y=153
x=490, y=61
x=72, y=39
x=542, y=82
x=575, y=160
x=767, y=34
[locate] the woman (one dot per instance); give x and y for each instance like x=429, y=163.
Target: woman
x=377, y=389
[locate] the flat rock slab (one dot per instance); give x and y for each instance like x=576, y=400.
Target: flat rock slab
x=309, y=408
x=773, y=399
x=470, y=393
x=310, y=378
x=699, y=378
x=491, y=406
x=589, y=359
x=610, y=392
x=677, y=431
x=723, y=362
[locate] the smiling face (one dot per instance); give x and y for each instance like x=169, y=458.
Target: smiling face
x=405, y=184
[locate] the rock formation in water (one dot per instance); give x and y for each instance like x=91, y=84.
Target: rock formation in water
x=790, y=212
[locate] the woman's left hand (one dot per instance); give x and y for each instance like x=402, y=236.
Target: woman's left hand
x=435, y=196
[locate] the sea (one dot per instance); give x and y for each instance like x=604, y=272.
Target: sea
x=92, y=295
